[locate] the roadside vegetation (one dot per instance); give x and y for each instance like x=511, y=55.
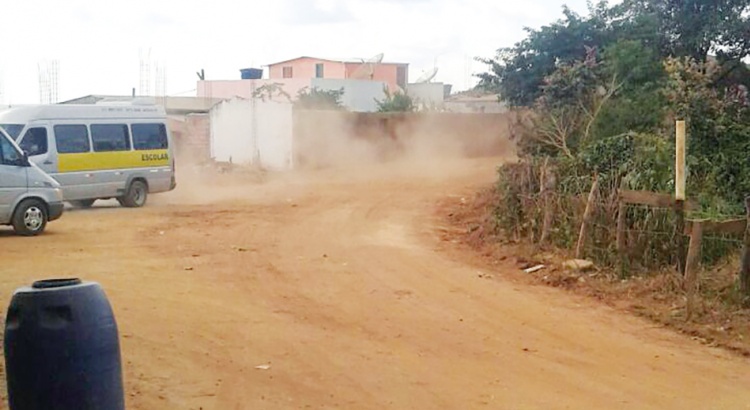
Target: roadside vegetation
x=596, y=96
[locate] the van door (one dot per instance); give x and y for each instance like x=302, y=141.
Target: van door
x=13, y=178
x=111, y=145
x=75, y=162
x=36, y=142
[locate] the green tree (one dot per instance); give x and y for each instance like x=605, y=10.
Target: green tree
x=395, y=102
x=318, y=99
x=718, y=122
x=639, y=103
x=571, y=103
x=518, y=72
x=694, y=28
x=663, y=28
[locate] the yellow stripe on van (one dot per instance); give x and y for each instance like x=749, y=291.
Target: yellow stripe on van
x=97, y=161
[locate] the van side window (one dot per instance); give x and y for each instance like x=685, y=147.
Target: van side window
x=149, y=136
x=34, y=141
x=71, y=139
x=8, y=153
x=110, y=137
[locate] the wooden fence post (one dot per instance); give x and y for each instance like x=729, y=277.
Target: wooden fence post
x=548, y=189
x=691, y=266
x=587, y=214
x=622, y=209
x=679, y=193
x=679, y=209
x=745, y=269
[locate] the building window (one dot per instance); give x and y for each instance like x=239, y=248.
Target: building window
x=319, y=70
x=287, y=72
x=401, y=76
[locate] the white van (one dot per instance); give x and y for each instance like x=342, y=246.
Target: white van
x=29, y=198
x=99, y=151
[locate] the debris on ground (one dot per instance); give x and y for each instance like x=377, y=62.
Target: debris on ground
x=533, y=269
x=579, y=265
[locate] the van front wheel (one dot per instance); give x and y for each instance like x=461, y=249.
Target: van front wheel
x=30, y=217
x=136, y=195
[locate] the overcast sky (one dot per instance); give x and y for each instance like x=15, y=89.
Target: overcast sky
x=99, y=44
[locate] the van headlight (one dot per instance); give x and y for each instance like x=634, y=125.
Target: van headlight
x=58, y=194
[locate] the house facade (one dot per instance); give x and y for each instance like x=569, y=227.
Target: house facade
x=394, y=75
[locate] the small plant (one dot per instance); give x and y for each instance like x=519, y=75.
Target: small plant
x=271, y=91
x=317, y=99
x=395, y=102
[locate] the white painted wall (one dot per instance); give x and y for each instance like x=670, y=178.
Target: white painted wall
x=427, y=94
x=275, y=136
x=359, y=95
x=251, y=132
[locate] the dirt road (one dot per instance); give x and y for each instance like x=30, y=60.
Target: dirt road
x=339, y=282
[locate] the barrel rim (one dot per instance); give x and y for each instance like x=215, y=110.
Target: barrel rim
x=55, y=283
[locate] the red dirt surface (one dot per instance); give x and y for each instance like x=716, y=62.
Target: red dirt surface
x=342, y=283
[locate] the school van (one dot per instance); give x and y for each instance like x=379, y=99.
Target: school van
x=29, y=198
x=98, y=151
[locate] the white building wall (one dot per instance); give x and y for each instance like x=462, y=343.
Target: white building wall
x=359, y=95
x=428, y=95
x=252, y=132
x=274, y=130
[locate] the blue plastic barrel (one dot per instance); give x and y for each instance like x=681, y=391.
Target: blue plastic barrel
x=251, y=73
x=62, y=349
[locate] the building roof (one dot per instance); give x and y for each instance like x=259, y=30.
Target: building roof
x=349, y=61
x=172, y=105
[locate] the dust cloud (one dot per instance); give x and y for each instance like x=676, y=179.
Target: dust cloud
x=342, y=147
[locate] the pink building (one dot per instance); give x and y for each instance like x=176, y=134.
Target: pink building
x=395, y=75
x=362, y=82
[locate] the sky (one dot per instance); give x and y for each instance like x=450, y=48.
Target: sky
x=99, y=46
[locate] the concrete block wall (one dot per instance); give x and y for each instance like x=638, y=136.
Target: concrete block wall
x=191, y=137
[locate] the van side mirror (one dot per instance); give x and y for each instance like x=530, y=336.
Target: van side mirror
x=25, y=159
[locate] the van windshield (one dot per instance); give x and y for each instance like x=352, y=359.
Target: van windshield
x=14, y=130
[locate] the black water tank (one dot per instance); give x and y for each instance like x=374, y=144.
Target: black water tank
x=251, y=73
x=62, y=350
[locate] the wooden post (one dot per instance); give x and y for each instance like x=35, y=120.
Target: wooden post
x=529, y=205
x=548, y=189
x=679, y=210
x=679, y=167
x=691, y=266
x=679, y=194
x=587, y=214
x=622, y=210
x=745, y=268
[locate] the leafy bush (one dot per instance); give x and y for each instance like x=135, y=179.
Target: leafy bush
x=395, y=102
x=318, y=99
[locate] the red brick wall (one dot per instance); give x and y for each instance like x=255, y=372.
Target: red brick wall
x=191, y=136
